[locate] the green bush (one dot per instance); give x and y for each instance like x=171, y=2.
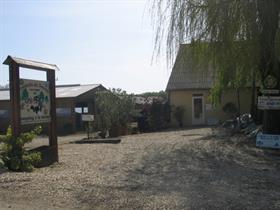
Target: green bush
x=230, y=109
x=179, y=114
x=13, y=154
x=114, y=110
x=158, y=116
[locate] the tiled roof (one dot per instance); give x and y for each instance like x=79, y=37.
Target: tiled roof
x=62, y=91
x=71, y=91
x=4, y=95
x=187, y=75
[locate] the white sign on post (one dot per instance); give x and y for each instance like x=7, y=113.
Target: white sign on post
x=87, y=117
x=268, y=141
x=269, y=102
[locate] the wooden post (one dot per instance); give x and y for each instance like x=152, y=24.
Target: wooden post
x=15, y=98
x=52, y=124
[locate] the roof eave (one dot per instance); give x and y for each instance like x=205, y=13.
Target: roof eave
x=30, y=64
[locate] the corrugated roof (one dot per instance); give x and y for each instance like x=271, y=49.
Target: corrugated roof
x=71, y=91
x=62, y=91
x=4, y=95
x=186, y=75
x=25, y=63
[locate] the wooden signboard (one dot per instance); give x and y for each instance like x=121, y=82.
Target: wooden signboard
x=33, y=101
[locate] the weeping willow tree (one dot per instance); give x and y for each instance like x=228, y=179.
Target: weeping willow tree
x=239, y=38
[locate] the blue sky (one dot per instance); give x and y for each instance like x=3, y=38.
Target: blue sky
x=92, y=41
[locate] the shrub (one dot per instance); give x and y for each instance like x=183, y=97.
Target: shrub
x=114, y=110
x=158, y=115
x=230, y=109
x=13, y=154
x=179, y=114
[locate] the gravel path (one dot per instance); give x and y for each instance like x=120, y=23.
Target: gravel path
x=187, y=169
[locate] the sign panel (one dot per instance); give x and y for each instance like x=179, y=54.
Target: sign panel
x=87, y=117
x=34, y=101
x=269, y=102
x=271, y=91
x=268, y=141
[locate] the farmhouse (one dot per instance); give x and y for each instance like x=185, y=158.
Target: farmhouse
x=189, y=87
x=71, y=102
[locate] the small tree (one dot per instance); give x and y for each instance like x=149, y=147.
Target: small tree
x=114, y=109
x=14, y=155
x=156, y=116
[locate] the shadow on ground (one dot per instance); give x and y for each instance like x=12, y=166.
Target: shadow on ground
x=97, y=141
x=3, y=170
x=202, y=174
x=213, y=177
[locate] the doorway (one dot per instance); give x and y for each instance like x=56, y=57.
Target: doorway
x=197, y=110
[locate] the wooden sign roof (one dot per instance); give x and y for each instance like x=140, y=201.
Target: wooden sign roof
x=30, y=64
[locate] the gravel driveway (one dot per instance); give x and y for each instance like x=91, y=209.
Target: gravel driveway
x=186, y=169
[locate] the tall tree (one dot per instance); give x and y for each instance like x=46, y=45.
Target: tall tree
x=242, y=39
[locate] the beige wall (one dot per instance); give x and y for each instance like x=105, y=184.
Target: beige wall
x=184, y=98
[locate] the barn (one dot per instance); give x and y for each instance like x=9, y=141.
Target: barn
x=72, y=101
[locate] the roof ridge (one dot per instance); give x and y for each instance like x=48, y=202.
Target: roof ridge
x=32, y=60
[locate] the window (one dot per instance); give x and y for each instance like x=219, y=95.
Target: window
x=4, y=114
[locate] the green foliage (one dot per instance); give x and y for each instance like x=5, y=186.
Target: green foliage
x=161, y=93
x=239, y=39
x=14, y=155
x=178, y=114
x=158, y=115
x=230, y=109
x=155, y=116
x=114, y=109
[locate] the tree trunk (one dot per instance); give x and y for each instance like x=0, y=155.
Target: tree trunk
x=238, y=102
x=253, y=97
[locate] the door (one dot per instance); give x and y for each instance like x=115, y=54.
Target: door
x=197, y=110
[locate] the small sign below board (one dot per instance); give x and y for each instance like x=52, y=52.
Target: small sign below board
x=268, y=141
x=87, y=117
x=269, y=102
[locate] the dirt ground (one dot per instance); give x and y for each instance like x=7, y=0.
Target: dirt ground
x=186, y=169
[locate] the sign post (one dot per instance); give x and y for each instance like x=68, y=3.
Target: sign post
x=33, y=101
x=88, y=118
x=269, y=102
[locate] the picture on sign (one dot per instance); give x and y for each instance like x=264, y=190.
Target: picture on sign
x=34, y=101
